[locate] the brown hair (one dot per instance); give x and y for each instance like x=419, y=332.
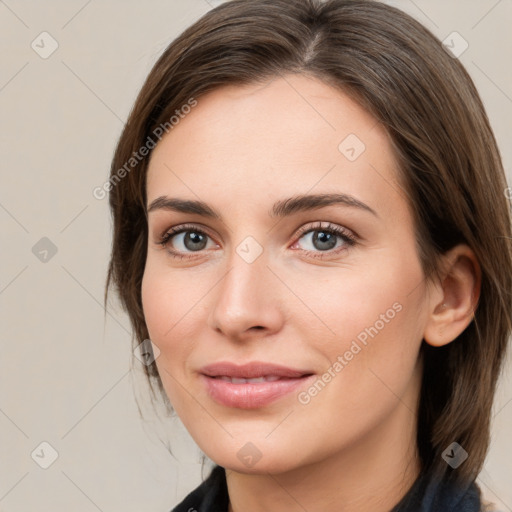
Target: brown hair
x=450, y=169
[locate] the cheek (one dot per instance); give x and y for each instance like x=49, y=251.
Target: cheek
x=168, y=299
x=162, y=313
x=344, y=304
x=156, y=313
x=160, y=317
x=172, y=301
x=372, y=316
x=371, y=370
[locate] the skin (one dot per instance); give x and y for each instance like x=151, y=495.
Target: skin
x=352, y=447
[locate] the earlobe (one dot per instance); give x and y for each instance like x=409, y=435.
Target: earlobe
x=455, y=297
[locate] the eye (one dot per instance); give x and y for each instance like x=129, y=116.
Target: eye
x=183, y=239
x=327, y=238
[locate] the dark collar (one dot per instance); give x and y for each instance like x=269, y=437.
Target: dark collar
x=429, y=494
x=426, y=495
x=210, y=496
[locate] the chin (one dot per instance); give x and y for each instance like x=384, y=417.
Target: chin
x=253, y=458
x=262, y=467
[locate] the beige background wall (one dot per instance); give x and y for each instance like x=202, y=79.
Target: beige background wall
x=64, y=371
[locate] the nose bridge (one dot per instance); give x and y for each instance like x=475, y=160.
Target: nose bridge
x=243, y=296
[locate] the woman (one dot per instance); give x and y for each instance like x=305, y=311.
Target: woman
x=311, y=228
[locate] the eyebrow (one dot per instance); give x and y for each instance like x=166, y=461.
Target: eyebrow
x=281, y=208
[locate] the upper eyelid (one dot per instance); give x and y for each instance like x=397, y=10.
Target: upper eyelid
x=317, y=225
x=180, y=228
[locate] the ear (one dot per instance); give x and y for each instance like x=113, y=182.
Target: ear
x=453, y=299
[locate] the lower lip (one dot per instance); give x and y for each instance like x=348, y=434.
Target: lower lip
x=251, y=395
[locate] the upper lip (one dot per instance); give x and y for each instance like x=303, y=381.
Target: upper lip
x=251, y=370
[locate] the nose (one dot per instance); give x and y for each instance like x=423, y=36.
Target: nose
x=246, y=301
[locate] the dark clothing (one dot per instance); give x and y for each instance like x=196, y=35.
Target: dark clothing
x=426, y=495
x=429, y=495
x=210, y=496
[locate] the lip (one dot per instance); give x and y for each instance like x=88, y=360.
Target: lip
x=251, y=370
x=251, y=395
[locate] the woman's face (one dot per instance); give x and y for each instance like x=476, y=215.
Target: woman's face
x=330, y=290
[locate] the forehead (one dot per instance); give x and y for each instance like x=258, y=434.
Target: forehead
x=292, y=133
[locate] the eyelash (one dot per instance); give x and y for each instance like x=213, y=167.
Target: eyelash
x=349, y=239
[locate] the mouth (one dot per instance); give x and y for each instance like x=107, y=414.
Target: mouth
x=252, y=385
x=236, y=380
x=252, y=370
